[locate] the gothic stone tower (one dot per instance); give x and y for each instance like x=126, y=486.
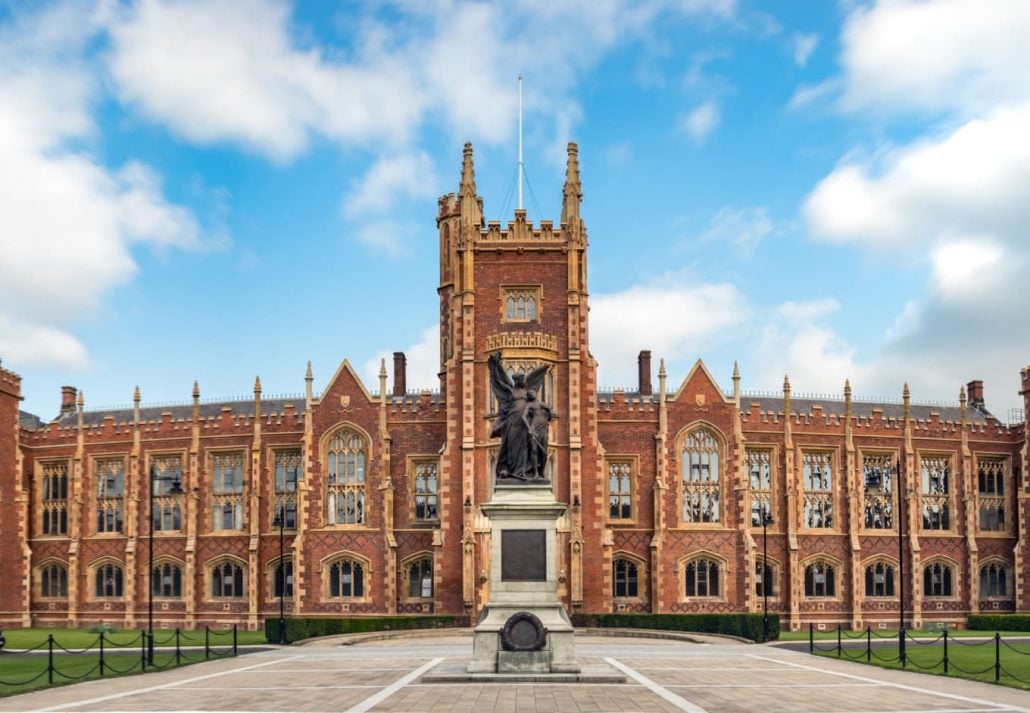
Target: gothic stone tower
x=519, y=291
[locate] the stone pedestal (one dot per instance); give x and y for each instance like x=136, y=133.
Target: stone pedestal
x=523, y=628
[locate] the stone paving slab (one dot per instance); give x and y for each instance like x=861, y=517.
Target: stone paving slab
x=662, y=675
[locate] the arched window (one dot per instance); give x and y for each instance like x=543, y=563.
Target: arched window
x=420, y=578
x=227, y=580
x=107, y=580
x=820, y=580
x=345, y=470
x=166, y=580
x=346, y=579
x=765, y=578
x=700, y=476
x=54, y=580
x=283, y=578
x=625, y=583
x=994, y=580
x=879, y=580
x=702, y=578
x=937, y=580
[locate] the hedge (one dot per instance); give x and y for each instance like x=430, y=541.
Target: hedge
x=748, y=626
x=298, y=628
x=999, y=622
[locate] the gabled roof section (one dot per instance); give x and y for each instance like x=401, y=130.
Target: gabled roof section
x=700, y=371
x=346, y=376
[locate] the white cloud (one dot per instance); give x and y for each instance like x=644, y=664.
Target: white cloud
x=385, y=235
x=67, y=222
x=700, y=122
x=807, y=94
x=966, y=266
x=948, y=54
x=423, y=363
x=745, y=228
x=667, y=317
x=802, y=46
x=408, y=175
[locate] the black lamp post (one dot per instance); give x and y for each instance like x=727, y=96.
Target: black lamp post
x=174, y=489
x=766, y=521
x=280, y=522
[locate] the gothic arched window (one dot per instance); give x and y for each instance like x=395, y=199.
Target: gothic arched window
x=345, y=460
x=700, y=460
x=702, y=578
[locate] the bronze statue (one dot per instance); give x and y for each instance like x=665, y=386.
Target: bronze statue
x=522, y=424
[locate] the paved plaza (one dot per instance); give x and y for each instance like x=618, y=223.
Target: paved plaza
x=662, y=675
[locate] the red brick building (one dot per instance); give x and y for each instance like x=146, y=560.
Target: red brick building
x=380, y=489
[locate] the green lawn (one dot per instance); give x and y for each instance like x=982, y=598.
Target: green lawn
x=972, y=661
x=881, y=633
x=81, y=638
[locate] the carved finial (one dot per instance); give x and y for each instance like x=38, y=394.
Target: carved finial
x=906, y=398
x=309, y=375
x=196, y=390
x=962, y=395
x=382, y=368
x=661, y=368
x=786, y=384
x=257, y=384
x=847, y=389
x=572, y=192
x=135, y=394
x=736, y=371
x=80, y=401
x=467, y=186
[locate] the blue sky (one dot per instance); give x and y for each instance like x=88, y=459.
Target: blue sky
x=216, y=190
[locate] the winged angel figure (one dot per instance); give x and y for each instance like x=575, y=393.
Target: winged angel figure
x=522, y=423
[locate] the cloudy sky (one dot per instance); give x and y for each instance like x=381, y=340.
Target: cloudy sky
x=217, y=189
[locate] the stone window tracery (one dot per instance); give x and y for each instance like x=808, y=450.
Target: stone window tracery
x=107, y=580
x=53, y=581
x=994, y=581
x=817, y=473
x=288, y=468
x=426, y=485
x=878, y=493
x=346, y=579
x=110, y=482
x=702, y=578
x=701, y=481
x=625, y=583
x=759, y=468
x=227, y=580
x=879, y=580
x=936, y=492
x=820, y=579
x=167, y=472
x=227, y=493
x=620, y=489
x=54, y=501
x=345, y=469
x=521, y=304
x=166, y=580
x=937, y=580
x=990, y=496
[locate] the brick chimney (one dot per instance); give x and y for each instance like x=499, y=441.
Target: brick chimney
x=644, y=373
x=975, y=393
x=400, y=374
x=68, y=394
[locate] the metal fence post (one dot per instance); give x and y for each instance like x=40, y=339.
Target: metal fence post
x=207, y=642
x=839, y=648
x=233, y=639
x=811, y=638
x=101, y=654
x=901, y=646
x=50, y=658
x=178, y=649
x=997, y=657
x=868, y=644
x=945, y=652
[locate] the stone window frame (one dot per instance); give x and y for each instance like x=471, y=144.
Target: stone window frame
x=775, y=568
x=325, y=566
x=834, y=500
x=956, y=578
x=528, y=291
x=331, y=490
x=1009, y=489
x=37, y=579
x=949, y=500
x=412, y=463
x=161, y=561
x=642, y=578
x=91, y=574
x=769, y=494
x=886, y=561
x=42, y=504
x=209, y=570
x=403, y=570
x=684, y=562
x=838, y=577
x=723, y=474
x=271, y=578
x=94, y=487
x=890, y=498
x=287, y=497
x=633, y=461
x=1010, y=584
x=216, y=499
x=161, y=499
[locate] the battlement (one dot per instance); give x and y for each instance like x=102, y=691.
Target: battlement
x=521, y=231
x=531, y=340
x=10, y=382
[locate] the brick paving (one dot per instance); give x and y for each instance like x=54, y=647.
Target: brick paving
x=717, y=677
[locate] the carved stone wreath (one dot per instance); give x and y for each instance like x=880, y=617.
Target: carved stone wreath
x=523, y=632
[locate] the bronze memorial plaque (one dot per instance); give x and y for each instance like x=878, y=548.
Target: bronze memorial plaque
x=523, y=556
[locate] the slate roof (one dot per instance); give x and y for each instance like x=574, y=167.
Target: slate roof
x=240, y=407
x=29, y=420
